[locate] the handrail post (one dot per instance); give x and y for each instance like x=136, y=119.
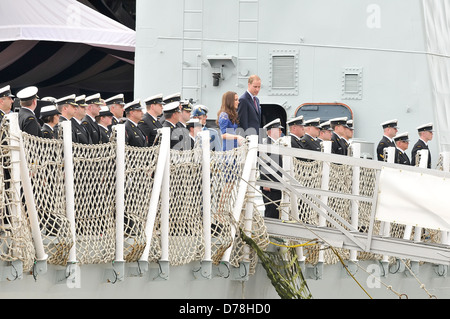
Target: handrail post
x=206, y=264
x=356, y=147
x=324, y=186
x=163, y=162
x=249, y=165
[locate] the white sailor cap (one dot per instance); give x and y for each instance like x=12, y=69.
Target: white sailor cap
x=70, y=99
x=45, y=101
x=104, y=111
x=81, y=100
x=390, y=123
x=313, y=122
x=274, y=124
x=176, y=97
x=295, y=121
x=116, y=99
x=402, y=137
x=192, y=123
x=326, y=126
x=133, y=106
x=28, y=93
x=48, y=110
x=6, y=91
x=199, y=110
x=155, y=99
x=350, y=124
x=339, y=121
x=425, y=127
x=94, y=99
x=172, y=107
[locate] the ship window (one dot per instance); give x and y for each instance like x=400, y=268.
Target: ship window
x=352, y=84
x=283, y=72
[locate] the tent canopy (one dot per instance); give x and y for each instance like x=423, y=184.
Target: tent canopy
x=64, y=47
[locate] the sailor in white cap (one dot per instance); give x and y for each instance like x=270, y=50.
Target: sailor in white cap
x=296, y=130
x=425, y=132
x=104, y=119
x=271, y=197
x=6, y=101
x=50, y=117
x=325, y=131
x=309, y=141
x=116, y=104
x=338, y=143
x=27, y=119
x=389, y=131
x=133, y=134
x=94, y=102
x=401, y=143
x=149, y=123
x=194, y=126
x=171, y=117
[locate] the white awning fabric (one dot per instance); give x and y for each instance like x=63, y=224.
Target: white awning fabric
x=415, y=199
x=64, y=21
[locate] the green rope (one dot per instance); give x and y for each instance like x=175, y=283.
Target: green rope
x=283, y=270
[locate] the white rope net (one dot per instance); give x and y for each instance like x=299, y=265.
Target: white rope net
x=94, y=176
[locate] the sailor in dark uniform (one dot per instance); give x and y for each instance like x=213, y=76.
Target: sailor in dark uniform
x=6, y=101
x=150, y=124
x=389, y=131
x=309, y=141
x=401, y=143
x=176, y=97
x=425, y=135
x=104, y=119
x=271, y=196
x=326, y=132
x=185, y=115
x=194, y=126
x=172, y=114
x=338, y=144
x=27, y=119
x=116, y=104
x=296, y=131
x=94, y=103
x=50, y=117
x=133, y=134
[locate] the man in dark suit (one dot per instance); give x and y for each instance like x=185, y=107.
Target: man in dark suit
x=149, y=123
x=6, y=101
x=338, y=143
x=389, y=131
x=309, y=141
x=271, y=196
x=425, y=135
x=401, y=143
x=94, y=103
x=296, y=130
x=249, y=110
x=133, y=134
x=27, y=119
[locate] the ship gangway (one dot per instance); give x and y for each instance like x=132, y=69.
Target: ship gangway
x=359, y=204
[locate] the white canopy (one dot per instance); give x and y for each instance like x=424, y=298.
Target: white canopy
x=62, y=20
x=64, y=47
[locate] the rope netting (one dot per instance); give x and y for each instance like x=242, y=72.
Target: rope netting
x=94, y=179
x=15, y=234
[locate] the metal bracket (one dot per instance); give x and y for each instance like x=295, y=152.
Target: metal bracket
x=162, y=272
x=12, y=271
x=414, y=268
x=222, y=270
x=441, y=270
x=139, y=270
x=314, y=272
x=240, y=273
x=117, y=273
x=40, y=267
x=71, y=276
x=204, y=270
